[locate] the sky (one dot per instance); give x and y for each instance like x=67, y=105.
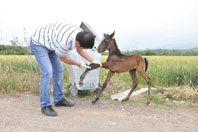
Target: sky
x=138, y=24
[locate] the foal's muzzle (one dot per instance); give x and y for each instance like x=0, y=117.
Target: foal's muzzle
x=99, y=50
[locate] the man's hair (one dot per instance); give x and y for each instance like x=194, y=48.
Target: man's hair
x=86, y=39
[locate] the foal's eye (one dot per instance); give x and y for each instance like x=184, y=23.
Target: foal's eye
x=106, y=41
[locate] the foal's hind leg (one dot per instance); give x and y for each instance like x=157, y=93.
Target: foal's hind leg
x=142, y=73
x=134, y=85
x=110, y=74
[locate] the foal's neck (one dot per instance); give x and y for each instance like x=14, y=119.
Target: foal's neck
x=114, y=49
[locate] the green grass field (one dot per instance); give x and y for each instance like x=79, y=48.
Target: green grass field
x=21, y=73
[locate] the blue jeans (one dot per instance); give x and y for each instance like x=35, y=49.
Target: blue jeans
x=49, y=64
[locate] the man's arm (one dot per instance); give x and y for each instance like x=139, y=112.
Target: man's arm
x=67, y=60
x=84, y=54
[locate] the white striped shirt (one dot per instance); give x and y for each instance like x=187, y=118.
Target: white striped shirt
x=59, y=37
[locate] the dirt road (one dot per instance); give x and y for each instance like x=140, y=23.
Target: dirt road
x=22, y=114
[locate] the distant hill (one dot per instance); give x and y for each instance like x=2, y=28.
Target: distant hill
x=191, y=49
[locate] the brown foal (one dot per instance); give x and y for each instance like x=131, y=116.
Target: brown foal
x=117, y=62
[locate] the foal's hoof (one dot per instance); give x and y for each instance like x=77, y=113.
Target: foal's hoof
x=125, y=99
x=80, y=84
x=148, y=103
x=93, y=102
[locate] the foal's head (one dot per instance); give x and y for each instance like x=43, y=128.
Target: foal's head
x=106, y=43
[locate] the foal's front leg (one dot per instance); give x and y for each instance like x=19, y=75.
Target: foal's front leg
x=83, y=76
x=110, y=74
x=93, y=66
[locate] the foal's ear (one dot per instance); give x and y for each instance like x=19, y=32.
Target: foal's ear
x=104, y=34
x=112, y=35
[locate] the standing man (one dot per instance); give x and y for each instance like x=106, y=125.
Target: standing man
x=50, y=44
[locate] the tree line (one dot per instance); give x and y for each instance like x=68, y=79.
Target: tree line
x=162, y=52
x=13, y=50
x=18, y=50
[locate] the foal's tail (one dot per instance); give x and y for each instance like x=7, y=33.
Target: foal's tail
x=146, y=63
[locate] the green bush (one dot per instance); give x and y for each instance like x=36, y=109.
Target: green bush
x=13, y=50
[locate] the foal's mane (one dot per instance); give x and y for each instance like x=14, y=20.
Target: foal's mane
x=117, y=49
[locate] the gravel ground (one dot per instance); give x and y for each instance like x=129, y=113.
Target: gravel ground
x=22, y=113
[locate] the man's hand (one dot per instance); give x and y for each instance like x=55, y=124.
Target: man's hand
x=97, y=62
x=83, y=65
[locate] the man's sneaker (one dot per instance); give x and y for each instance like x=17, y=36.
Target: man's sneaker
x=49, y=111
x=63, y=102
